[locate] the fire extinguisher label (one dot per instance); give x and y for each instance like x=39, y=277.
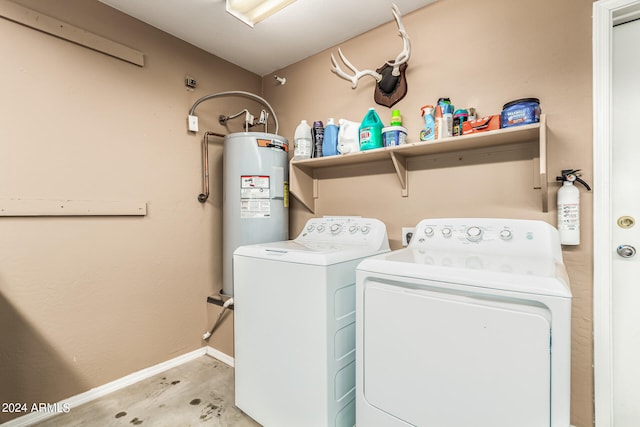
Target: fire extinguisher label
x=254, y=196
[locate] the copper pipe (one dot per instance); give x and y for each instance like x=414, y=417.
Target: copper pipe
x=202, y=197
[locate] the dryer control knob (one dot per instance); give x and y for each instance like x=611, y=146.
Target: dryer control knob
x=365, y=229
x=310, y=227
x=320, y=228
x=446, y=232
x=506, y=234
x=474, y=233
x=353, y=229
x=335, y=228
x=428, y=231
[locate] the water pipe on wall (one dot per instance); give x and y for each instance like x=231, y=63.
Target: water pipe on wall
x=237, y=93
x=248, y=119
x=226, y=305
x=202, y=197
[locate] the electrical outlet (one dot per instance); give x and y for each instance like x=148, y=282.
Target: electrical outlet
x=193, y=123
x=407, y=234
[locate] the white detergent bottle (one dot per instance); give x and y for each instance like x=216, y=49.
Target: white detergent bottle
x=302, y=141
x=348, y=136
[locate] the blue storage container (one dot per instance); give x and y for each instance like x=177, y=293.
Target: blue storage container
x=520, y=112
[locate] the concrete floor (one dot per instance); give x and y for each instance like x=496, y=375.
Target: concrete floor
x=197, y=393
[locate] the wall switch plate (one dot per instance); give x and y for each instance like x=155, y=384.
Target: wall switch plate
x=407, y=234
x=193, y=123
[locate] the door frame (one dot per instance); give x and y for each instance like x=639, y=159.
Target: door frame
x=606, y=13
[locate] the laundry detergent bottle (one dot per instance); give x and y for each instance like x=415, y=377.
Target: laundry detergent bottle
x=348, y=136
x=371, y=131
x=302, y=141
x=330, y=142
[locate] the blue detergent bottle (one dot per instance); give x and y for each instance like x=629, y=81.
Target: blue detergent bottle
x=330, y=143
x=371, y=131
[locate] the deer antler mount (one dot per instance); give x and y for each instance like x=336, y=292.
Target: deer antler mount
x=391, y=82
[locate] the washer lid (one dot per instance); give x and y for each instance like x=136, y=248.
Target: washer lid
x=527, y=274
x=314, y=253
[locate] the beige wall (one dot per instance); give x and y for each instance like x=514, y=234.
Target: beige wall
x=478, y=54
x=86, y=300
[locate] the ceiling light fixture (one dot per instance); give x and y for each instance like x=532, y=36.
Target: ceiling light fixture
x=253, y=11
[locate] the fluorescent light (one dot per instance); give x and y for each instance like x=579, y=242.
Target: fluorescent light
x=253, y=11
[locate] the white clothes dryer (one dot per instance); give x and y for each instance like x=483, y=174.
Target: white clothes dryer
x=470, y=325
x=294, y=323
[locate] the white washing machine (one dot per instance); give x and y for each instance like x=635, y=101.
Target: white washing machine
x=470, y=325
x=294, y=323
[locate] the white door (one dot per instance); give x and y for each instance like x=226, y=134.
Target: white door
x=625, y=191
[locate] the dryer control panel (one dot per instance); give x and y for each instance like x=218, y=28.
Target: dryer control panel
x=489, y=235
x=345, y=230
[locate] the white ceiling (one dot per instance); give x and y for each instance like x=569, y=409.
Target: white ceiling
x=302, y=29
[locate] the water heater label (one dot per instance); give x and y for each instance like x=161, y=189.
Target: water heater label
x=255, y=200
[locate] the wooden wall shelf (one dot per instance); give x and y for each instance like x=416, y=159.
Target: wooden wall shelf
x=304, y=182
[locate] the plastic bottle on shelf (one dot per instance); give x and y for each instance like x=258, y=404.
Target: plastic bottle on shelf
x=330, y=142
x=444, y=118
x=447, y=121
x=318, y=138
x=396, y=118
x=459, y=117
x=302, y=141
x=437, y=114
x=371, y=131
x=348, y=136
x=428, y=132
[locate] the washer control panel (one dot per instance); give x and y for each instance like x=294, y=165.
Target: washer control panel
x=493, y=235
x=345, y=230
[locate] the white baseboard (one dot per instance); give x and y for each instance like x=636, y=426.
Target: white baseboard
x=217, y=354
x=103, y=390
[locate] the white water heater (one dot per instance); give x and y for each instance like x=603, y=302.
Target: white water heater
x=255, y=193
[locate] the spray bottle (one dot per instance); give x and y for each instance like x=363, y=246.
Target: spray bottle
x=569, y=207
x=428, y=132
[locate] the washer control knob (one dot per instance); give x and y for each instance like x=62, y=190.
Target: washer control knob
x=446, y=232
x=428, y=231
x=335, y=228
x=320, y=228
x=353, y=229
x=310, y=227
x=364, y=229
x=506, y=234
x=474, y=233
